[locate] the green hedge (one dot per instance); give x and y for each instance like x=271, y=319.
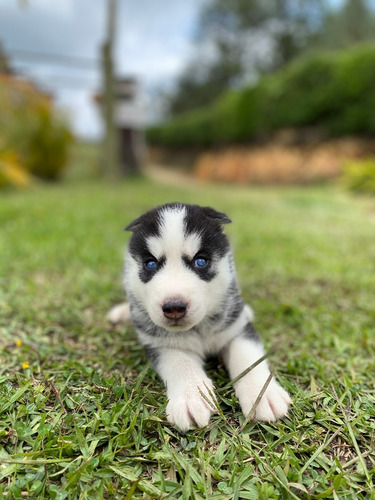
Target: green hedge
x=332, y=91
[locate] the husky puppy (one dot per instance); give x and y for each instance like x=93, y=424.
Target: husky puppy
x=185, y=306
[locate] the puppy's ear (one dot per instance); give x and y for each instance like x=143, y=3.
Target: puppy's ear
x=216, y=216
x=133, y=226
x=147, y=220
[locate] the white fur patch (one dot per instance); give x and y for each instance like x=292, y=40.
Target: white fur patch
x=172, y=242
x=119, y=313
x=187, y=406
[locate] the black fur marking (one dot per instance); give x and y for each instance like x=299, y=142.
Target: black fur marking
x=217, y=216
x=140, y=318
x=235, y=306
x=143, y=323
x=206, y=222
x=250, y=332
x=205, y=273
x=216, y=318
x=146, y=275
x=144, y=227
x=147, y=224
x=153, y=354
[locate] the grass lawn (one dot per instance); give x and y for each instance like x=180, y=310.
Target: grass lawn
x=81, y=413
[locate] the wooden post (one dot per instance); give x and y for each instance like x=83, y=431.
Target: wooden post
x=110, y=160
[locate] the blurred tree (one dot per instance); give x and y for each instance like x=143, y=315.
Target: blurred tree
x=33, y=137
x=267, y=33
x=4, y=62
x=238, y=39
x=201, y=81
x=353, y=23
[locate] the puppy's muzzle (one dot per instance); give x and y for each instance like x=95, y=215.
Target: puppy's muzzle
x=174, y=309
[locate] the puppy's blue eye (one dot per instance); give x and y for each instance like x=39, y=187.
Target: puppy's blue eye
x=151, y=264
x=200, y=262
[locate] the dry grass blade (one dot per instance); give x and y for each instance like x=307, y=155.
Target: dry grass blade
x=213, y=402
x=57, y=392
x=246, y=371
x=254, y=407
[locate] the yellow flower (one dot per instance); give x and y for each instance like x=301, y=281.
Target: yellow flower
x=19, y=343
x=25, y=365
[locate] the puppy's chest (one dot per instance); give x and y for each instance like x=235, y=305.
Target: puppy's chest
x=204, y=340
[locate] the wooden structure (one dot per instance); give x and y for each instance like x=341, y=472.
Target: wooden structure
x=128, y=119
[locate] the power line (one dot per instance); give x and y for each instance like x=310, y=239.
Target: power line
x=84, y=63
x=54, y=81
x=66, y=82
x=56, y=77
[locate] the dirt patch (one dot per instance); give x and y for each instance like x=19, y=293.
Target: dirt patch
x=281, y=163
x=286, y=158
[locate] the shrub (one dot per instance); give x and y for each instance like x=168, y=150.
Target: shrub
x=30, y=127
x=300, y=94
x=11, y=172
x=331, y=91
x=359, y=175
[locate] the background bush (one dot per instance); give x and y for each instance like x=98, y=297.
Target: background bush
x=11, y=171
x=31, y=130
x=359, y=175
x=331, y=91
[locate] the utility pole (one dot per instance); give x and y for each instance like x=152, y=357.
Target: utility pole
x=110, y=159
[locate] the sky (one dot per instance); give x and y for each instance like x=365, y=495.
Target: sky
x=153, y=43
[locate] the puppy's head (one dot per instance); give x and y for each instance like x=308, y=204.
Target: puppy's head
x=178, y=264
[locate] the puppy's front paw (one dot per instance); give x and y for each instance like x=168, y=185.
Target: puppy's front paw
x=119, y=314
x=192, y=405
x=273, y=404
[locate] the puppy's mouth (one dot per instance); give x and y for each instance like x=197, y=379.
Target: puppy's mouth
x=175, y=315
x=175, y=325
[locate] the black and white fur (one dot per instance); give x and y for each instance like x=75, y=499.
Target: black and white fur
x=185, y=306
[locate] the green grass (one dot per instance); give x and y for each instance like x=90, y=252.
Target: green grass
x=85, y=416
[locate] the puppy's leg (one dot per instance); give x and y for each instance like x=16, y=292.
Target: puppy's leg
x=249, y=313
x=186, y=381
x=241, y=353
x=119, y=313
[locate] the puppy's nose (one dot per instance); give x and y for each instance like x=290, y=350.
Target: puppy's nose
x=174, y=309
